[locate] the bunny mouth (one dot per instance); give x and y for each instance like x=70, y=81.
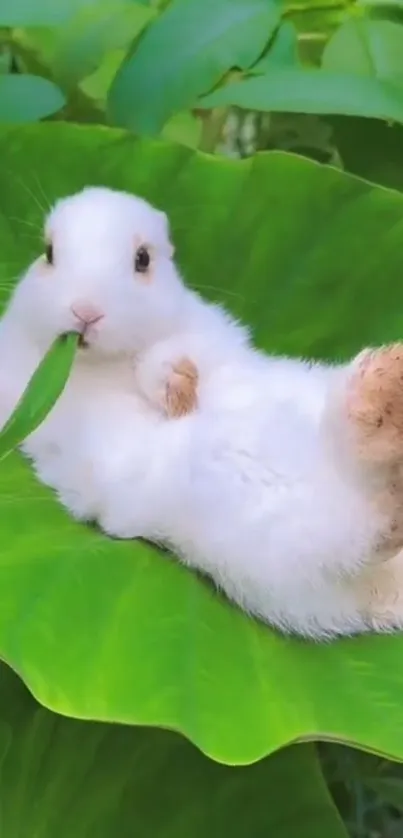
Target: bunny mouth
x=86, y=336
x=82, y=342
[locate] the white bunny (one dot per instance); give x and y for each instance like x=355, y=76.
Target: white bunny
x=280, y=479
x=107, y=272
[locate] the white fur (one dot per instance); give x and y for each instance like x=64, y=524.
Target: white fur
x=251, y=488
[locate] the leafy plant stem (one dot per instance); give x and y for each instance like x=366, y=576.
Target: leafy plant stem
x=316, y=37
x=212, y=126
x=326, y=7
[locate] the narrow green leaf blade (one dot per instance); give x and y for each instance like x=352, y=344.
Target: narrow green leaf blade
x=42, y=392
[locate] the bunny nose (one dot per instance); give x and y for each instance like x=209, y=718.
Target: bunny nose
x=86, y=314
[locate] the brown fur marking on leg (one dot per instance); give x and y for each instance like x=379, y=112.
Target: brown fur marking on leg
x=181, y=389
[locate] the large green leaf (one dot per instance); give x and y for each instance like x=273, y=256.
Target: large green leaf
x=367, y=47
x=65, y=778
x=184, y=53
x=116, y=630
x=302, y=90
x=26, y=98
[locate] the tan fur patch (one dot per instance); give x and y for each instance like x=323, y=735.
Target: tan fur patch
x=181, y=389
x=379, y=592
x=375, y=414
x=375, y=404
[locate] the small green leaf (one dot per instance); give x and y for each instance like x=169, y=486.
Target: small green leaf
x=40, y=12
x=316, y=18
x=42, y=392
x=184, y=128
x=81, y=46
x=184, y=53
x=283, y=50
x=26, y=98
x=367, y=47
x=300, y=90
x=37, y=43
x=97, y=85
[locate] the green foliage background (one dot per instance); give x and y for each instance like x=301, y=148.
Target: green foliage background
x=120, y=633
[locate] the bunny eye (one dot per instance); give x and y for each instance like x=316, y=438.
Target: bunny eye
x=142, y=260
x=49, y=254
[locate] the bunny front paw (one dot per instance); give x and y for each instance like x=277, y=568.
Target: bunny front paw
x=181, y=389
x=168, y=385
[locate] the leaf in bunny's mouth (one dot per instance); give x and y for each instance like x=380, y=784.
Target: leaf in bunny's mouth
x=41, y=393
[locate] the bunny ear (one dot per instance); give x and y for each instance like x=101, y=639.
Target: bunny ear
x=165, y=231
